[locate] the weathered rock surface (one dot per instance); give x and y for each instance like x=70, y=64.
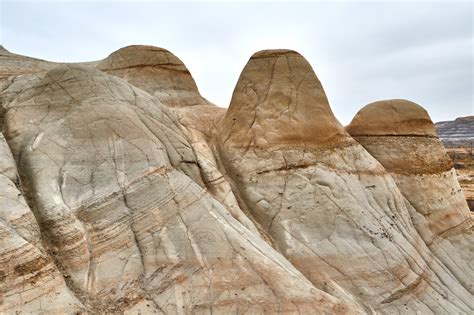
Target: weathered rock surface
x=425, y=175
x=124, y=190
x=463, y=160
x=117, y=195
x=29, y=279
x=330, y=207
x=392, y=117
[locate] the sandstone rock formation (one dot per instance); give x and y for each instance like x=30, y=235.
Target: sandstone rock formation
x=318, y=192
x=124, y=190
x=29, y=279
x=15, y=65
x=115, y=189
x=156, y=71
x=410, y=150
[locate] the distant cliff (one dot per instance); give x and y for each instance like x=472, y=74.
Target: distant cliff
x=457, y=132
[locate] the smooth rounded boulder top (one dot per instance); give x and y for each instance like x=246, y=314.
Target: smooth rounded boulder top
x=396, y=117
x=156, y=71
x=278, y=100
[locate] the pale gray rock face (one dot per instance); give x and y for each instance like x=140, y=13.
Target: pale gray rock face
x=117, y=194
x=123, y=190
x=29, y=279
x=13, y=65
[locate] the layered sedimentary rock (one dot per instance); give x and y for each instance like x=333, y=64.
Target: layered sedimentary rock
x=156, y=71
x=459, y=132
x=320, y=194
x=14, y=65
x=118, y=197
x=401, y=136
x=29, y=279
x=126, y=191
x=163, y=75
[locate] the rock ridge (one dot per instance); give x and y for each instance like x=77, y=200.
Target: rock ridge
x=123, y=190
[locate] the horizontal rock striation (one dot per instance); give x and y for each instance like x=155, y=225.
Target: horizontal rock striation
x=118, y=198
x=156, y=71
x=123, y=190
x=459, y=132
x=29, y=279
x=425, y=175
x=14, y=65
x=318, y=192
x=279, y=100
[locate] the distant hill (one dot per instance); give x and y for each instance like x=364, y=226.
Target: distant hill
x=456, y=132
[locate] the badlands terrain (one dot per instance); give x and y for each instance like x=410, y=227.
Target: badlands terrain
x=123, y=190
x=458, y=139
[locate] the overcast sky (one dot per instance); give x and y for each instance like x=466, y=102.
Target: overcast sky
x=361, y=51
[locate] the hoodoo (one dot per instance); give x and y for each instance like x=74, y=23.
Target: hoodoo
x=123, y=190
x=279, y=100
x=329, y=206
x=25, y=265
x=156, y=71
x=116, y=192
x=401, y=136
